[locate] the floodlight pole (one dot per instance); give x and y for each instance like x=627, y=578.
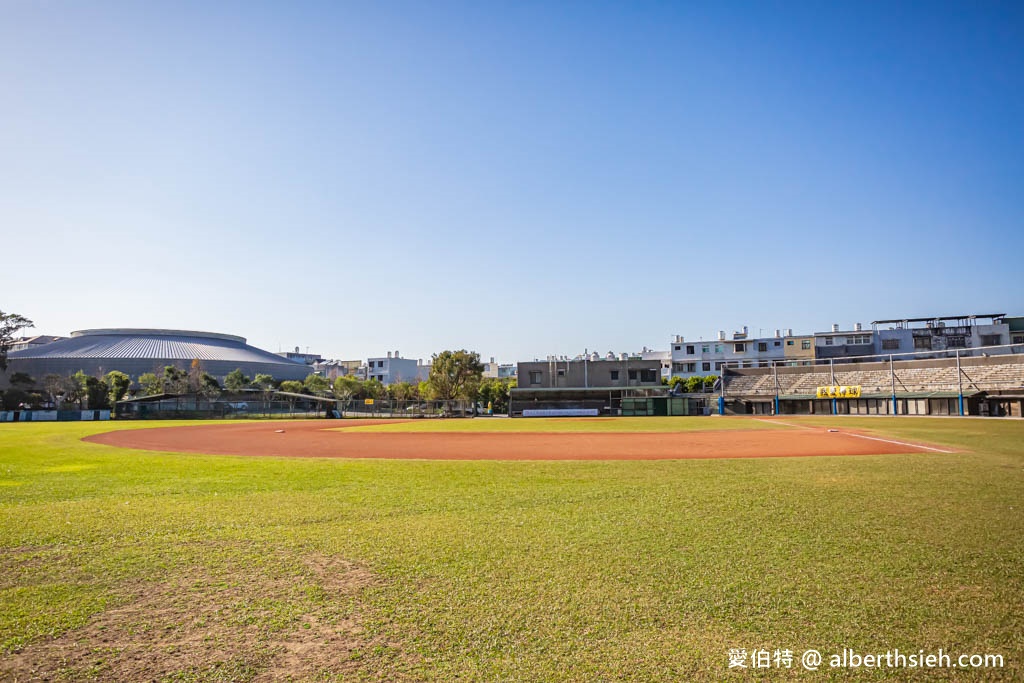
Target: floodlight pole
x=892, y=378
x=832, y=374
x=959, y=384
x=721, y=397
x=775, y=372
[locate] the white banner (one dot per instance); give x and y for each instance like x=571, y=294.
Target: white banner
x=561, y=412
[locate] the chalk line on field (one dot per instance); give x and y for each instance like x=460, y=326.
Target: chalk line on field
x=788, y=424
x=898, y=443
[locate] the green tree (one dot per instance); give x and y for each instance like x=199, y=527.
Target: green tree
x=425, y=391
x=455, y=374
x=347, y=387
x=175, y=380
x=93, y=393
x=9, y=324
x=236, y=381
x=495, y=393
x=118, y=384
x=402, y=391
x=209, y=388
x=318, y=385
x=150, y=384
x=374, y=389
x=709, y=382
x=264, y=383
x=292, y=386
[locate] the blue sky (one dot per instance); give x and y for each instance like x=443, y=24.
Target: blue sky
x=520, y=179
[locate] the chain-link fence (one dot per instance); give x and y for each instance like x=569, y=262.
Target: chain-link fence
x=198, y=407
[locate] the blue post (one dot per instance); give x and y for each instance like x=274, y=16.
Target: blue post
x=776, y=405
x=895, y=406
x=835, y=409
x=721, y=405
x=961, y=405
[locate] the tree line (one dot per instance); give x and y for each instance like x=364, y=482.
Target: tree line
x=454, y=375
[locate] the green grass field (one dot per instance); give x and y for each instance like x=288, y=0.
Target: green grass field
x=126, y=565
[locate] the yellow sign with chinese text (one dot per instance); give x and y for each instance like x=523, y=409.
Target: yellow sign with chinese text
x=839, y=391
x=368, y=401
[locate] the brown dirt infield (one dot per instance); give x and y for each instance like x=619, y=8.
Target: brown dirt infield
x=323, y=439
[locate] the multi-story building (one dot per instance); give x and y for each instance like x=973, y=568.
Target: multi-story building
x=307, y=358
x=798, y=350
x=393, y=369
x=844, y=345
x=499, y=370
x=23, y=343
x=921, y=335
x=333, y=369
x=590, y=371
x=707, y=357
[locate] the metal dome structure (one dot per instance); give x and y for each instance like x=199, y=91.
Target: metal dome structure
x=138, y=351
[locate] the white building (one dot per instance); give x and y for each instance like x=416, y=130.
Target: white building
x=392, y=369
x=701, y=358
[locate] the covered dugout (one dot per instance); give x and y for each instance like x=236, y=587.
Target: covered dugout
x=605, y=401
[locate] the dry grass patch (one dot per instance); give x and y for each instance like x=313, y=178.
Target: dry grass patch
x=292, y=621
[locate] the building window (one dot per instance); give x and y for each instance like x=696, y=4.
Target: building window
x=805, y=344
x=991, y=339
x=1018, y=339
x=632, y=374
x=706, y=367
x=704, y=348
x=828, y=341
x=748, y=364
x=859, y=339
x=762, y=347
x=561, y=372
x=739, y=348
x=615, y=375
x=789, y=342
x=689, y=349
x=535, y=377
x=691, y=367
x=718, y=367
x=778, y=343
x=718, y=348
x=956, y=341
x=677, y=347
x=922, y=342
x=891, y=344
x=649, y=375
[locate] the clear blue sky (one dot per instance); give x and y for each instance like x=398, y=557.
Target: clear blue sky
x=517, y=178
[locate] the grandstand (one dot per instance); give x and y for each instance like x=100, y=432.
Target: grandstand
x=988, y=385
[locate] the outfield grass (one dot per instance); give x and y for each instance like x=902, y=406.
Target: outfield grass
x=120, y=564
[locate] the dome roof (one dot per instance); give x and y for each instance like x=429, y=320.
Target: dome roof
x=148, y=344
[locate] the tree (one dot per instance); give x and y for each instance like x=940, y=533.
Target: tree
x=150, y=384
x=455, y=374
x=495, y=393
x=93, y=393
x=117, y=385
x=292, y=386
x=347, y=387
x=55, y=386
x=209, y=388
x=316, y=384
x=175, y=380
x=9, y=324
x=264, y=383
x=373, y=389
x=195, y=377
x=236, y=381
x=402, y=391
